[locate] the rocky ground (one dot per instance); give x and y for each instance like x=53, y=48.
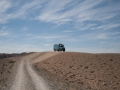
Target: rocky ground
x=7, y=64
x=61, y=71
x=81, y=71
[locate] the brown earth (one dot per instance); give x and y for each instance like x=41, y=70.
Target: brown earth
x=81, y=71
x=60, y=70
x=8, y=64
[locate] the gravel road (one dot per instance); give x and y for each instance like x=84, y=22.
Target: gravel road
x=26, y=77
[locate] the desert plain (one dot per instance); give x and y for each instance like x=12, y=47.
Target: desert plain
x=60, y=71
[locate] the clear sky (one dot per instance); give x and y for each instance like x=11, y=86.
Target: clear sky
x=81, y=25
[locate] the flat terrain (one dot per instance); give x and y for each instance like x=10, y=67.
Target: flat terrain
x=60, y=71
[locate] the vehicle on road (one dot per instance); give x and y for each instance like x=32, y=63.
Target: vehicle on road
x=59, y=47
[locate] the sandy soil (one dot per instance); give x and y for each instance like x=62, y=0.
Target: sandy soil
x=26, y=77
x=17, y=73
x=60, y=71
x=81, y=71
x=7, y=70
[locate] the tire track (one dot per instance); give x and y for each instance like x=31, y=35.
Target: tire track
x=17, y=84
x=26, y=77
x=37, y=80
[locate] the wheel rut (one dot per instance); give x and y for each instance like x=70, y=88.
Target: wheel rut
x=26, y=77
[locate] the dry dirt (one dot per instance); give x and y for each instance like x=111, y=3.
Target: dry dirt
x=22, y=75
x=60, y=71
x=7, y=70
x=26, y=78
x=81, y=71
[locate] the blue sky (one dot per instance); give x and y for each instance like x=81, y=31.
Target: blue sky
x=81, y=25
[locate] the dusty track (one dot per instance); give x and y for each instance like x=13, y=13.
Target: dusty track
x=26, y=77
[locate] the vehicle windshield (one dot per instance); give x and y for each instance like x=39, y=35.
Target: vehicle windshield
x=61, y=45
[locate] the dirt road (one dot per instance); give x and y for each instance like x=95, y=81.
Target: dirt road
x=60, y=71
x=26, y=77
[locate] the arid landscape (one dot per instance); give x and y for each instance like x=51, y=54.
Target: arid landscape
x=60, y=71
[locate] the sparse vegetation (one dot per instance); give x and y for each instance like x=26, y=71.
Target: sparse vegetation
x=4, y=55
x=86, y=71
x=11, y=61
x=7, y=62
x=111, y=59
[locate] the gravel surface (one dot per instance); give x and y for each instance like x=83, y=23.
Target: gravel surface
x=60, y=71
x=26, y=77
x=81, y=71
x=7, y=71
